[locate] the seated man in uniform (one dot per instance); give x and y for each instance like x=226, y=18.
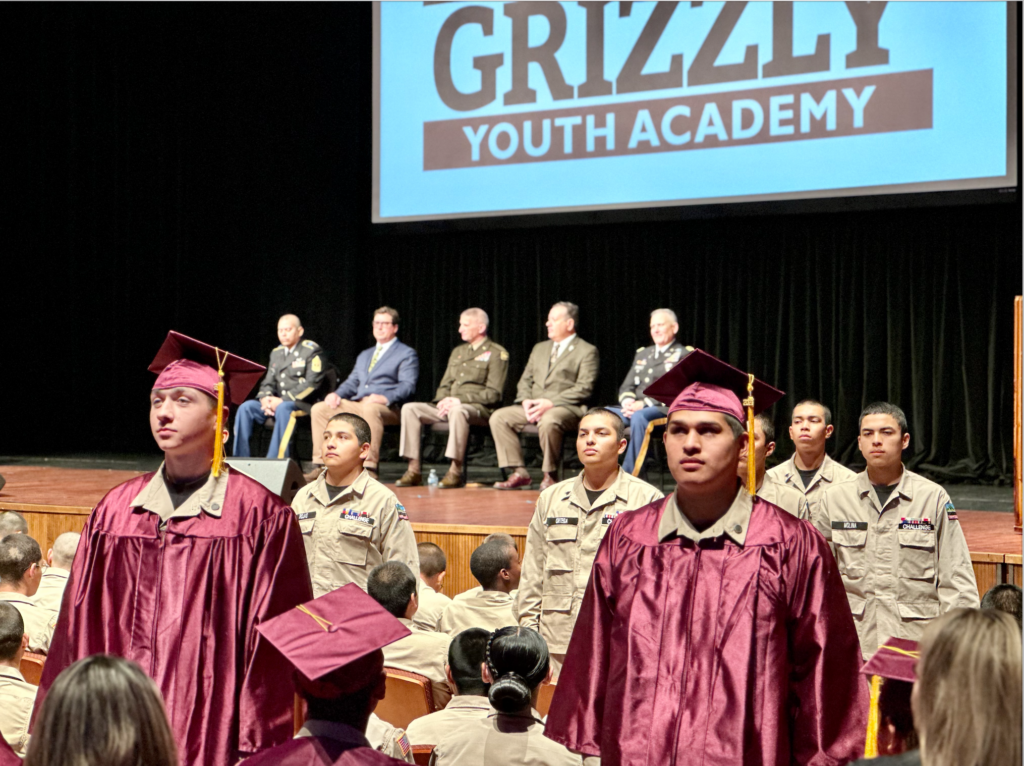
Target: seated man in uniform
x=649, y=364
x=294, y=376
x=810, y=470
x=20, y=574
x=495, y=565
x=896, y=537
x=466, y=655
x=350, y=521
x=393, y=586
x=786, y=498
x=60, y=558
x=12, y=523
x=17, y=696
x=333, y=644
x=382, y=379
x=472, y=386
x=558, y=379
x=433, y=567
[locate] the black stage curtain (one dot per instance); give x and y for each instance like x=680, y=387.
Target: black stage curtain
x=206, y=167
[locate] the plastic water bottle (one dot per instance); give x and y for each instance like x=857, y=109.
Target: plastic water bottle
x=432, y=480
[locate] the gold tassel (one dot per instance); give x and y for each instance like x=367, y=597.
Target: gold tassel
x=218, y=437
x=871, y=738
x=751, y=462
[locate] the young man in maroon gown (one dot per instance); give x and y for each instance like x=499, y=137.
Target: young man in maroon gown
x=715, y=629
x=176, y=568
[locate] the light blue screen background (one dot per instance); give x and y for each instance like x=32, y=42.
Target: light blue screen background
x=963, y=42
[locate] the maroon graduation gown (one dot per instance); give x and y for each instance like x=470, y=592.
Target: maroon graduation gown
x=183, y=604
x=713, y=653
x=321, y=751
x=7, y=755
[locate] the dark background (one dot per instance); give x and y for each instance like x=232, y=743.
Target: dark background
x=207, y=167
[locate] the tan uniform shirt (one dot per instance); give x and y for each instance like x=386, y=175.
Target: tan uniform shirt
x=733, y=523
x=432, y=604
x=426, y=653
x=208, y=499
x=462, y=710
x=786, y=498
x=17, y=697
x=493, y=740
x=39, y=622
x=388, y=739
x=51, y=589
x=829, y=474
x=561, y=544
x=476, y=376
x=347, y=537
x=903, y=565
x=488, y=609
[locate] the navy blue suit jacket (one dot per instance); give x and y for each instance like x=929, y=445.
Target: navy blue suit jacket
x=394, y=376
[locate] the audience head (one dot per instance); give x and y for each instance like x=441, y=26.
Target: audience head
x=764, y=446
x=517, y=663
x=810, y=426
x=473, y=325
x=600, y=438
x=393, y=586
x=289, y=330
x=433, y=564
x=346, y=441
x=62, y=554
x=12, y=523
x=102, y=711
x=496, y=566
x=894, y=663
x=19, y=564
x=882, y=435
x=1004, y=598
x=13, y=639
x=504, y=536
x=466, y=655
x=967, y=698
x=385, y=324
x=562, y=320
x=664, y=326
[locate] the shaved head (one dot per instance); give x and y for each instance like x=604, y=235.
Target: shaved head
x=12, y=523
x=64, y=548
x=289, y=319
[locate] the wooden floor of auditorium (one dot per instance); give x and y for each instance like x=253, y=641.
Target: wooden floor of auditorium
x=56, y=500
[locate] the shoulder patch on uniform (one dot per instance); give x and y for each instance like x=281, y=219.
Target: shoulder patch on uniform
x=278, y=348
x=641, y=349
x=403, y=743
x=951, y=512
x=552, y=521
x=504, y=356
x=402, y=514
x=317, y=364
x=689, y=348
x=311, y=344
x=859, y=525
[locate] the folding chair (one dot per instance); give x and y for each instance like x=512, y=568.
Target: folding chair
x=421, y=754
x=406, y=698
x=32, y=667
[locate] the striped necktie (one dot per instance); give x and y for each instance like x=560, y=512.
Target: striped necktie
x=554, y=356
x=376, y=356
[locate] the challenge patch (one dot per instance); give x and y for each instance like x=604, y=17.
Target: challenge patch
x=951, y=512
x=402, y=515
x=858, y=525
x=361, y=516
x=923, y=525
x=305, y=515
x=554, y=521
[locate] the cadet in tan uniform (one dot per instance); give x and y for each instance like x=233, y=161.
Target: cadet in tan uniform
x=433, y=567
x=495, y=565
x=60, y=558
x=567, y=527
x=350, y=522
x=786, y=498
x=20, y=575
x=393, y=586
x=17, y=696
x=810, y=470
x=472, y=386
x=388, y=739
x=896, y=537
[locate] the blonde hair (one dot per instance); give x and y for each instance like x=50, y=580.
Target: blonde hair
x=967, y=699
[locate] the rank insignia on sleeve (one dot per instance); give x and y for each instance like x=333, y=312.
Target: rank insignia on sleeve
x=402, y=514
x=951, y=512
x=504, y=356
x=922, y=525
x=317, y=364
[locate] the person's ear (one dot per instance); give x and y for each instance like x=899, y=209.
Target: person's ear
x=24, y=641
x=379, y=689
x=451, y=680
x=364, y=451
x=440, y=578
x=622, y=445
x=829, y=430
x=485, y=673
x=770, y=449
x=49, y=558
x=906, y=440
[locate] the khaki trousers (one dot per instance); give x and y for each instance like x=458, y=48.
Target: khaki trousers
x=377, y=415
x=507, y=422
x=460, y=417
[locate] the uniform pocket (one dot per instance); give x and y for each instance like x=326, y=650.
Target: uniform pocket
x=851, y=553
x=918, y=610
x=350, y=542
x=917, y=554
x=561, y=544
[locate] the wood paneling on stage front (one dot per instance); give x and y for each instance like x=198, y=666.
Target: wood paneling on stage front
x=458, y=541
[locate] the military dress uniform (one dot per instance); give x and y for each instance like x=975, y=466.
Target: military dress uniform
x=649, y=364
x=829, y=473
x=476, y=377
x=295, y=375
x=345, y=538
x=903, y=564
x=561, y=544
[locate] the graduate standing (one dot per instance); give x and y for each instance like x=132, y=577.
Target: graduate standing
x=715, y=628
x=176, y=568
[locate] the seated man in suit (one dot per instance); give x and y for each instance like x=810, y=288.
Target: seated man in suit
x=473, y=384
x=558, y=379
x=294, y=376
x=649, y=364
x=382, y=378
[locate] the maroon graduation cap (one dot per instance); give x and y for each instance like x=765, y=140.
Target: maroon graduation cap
x=185, y=361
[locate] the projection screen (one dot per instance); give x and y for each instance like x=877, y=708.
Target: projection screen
x=484, y=109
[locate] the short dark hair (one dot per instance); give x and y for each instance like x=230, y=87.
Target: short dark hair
x=432, y=559
x=466, y=653
x=359, y=426
x=391, y=584
x=17, y=553
x=12, y=628
x=12, y=522
x=816, y=403
x=1004, y=597
x=767, y=426
x=620, y=427
x=393, y=313
x=884, y=408
x=518, y=659
x=489, y=559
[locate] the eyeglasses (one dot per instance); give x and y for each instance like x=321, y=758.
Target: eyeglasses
x=382, y=324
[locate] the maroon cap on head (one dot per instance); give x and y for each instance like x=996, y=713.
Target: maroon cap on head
x=186, y=362
x=704, y=383
x=895, y=659
x=334, y=641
